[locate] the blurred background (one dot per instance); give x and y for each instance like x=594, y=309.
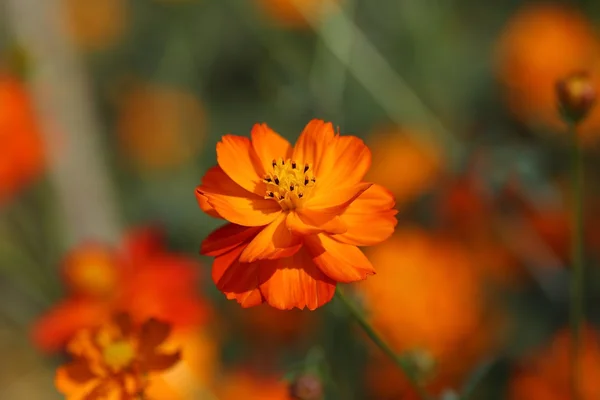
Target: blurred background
x=110, y=111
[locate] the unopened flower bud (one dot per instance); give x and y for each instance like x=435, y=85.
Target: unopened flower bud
x=576, y=96
x=306, y=387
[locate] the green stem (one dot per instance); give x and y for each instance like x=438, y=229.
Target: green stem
x=577, y=262
x=403, y=364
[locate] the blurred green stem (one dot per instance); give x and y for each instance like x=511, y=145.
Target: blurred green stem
x=577, y=312
x=402, y=363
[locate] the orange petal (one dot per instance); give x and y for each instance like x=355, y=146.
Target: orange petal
x=52, y=331
x=345, y=162
x=226, y=238
x=295, y=282
x=237, y=280
x=370, y=218
x=341, y=262
x=308, y=222
x=161, y=362
x=72, y=388
x=234, y=203
x=205, y=205
x=269, y=146
x=274, y=241
x=313, y=143
x=334, y=199
x=237, y=158
x=152, y=334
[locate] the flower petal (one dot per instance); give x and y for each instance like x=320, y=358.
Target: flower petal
x=295, y=282
x=205, y=205
x=341, y=262
x=161, y=362
x=313, y=143
x=345, y=162
x=336, y=198
x=269, y=146
x=226, y=238
x=152, y=334
x=237, y=280
x=236, y=156
x=370, y=218
x=308, y=222
x=276, y=240
x=234, y=203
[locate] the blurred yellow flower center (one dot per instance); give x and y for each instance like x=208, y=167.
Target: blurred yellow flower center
x=118, y=354
x=289, y=183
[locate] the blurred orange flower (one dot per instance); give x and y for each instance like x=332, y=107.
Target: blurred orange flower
x=248, y=385
x=421, y=162
x=116, y=360
x=96, y=24
x=541, y=44
x=160, y=127
x=545, y=375
x=288, y=12
x=296, y=216
x=442, y=310
x=192, y=377
x=21, y=153
x=141, y=278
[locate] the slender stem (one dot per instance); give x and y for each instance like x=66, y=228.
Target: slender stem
x=403, y=364
x=577, y=262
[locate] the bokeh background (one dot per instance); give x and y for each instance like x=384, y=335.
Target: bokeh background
x=110, y=111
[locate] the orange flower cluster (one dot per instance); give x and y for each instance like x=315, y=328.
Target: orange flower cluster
x=545, y=375
x=116, y=360
x=141, y=278
x=541, y=44
x=297, y=215
x=442, y=311
x=21, y=153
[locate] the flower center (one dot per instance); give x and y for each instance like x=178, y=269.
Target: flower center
x=118, y=354
x=289, y=184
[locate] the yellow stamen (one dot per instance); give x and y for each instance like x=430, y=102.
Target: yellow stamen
x=118, y=355
x=289, y=183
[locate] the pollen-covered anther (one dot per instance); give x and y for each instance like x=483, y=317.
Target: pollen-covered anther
x=288, y=184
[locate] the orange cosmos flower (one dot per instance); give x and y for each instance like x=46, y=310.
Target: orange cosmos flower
x=142, y=278
x=21, y=152
x=118, y=360
x=296, y=216
x=545, y=375
x=442, y=316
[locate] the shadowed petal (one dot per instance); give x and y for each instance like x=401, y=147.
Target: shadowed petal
x=341, y=262
x=226, y=238
x=370, y=218
x=295, y=282
x=152, y=334
x=161, y=362
x=239, y=161
x=269, y=146
x=274, y=241
x=237, y=280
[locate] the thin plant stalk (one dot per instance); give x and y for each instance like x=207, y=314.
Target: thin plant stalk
x=577, y=262
x=403, y=364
